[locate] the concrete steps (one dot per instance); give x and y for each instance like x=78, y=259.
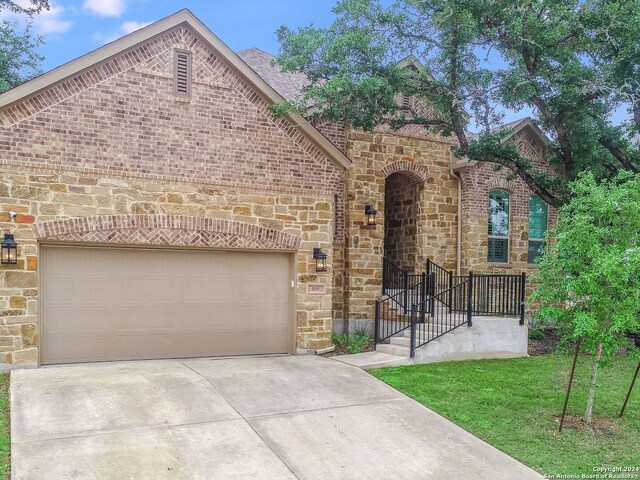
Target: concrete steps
x=490, y=337
x=370, y=360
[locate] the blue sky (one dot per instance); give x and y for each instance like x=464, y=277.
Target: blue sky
x=74, y=27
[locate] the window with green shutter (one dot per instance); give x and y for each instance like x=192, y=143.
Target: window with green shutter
x=498, y=227
x=538, y=217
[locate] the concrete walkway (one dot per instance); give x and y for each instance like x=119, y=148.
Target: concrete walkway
x=260, y=418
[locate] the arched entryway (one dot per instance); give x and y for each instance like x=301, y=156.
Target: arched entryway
x=401, y=210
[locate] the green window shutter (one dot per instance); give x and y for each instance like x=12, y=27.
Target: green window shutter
x=498, y=227
x=538, y=217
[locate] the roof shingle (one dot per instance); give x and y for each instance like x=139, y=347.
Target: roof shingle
x=287, y=84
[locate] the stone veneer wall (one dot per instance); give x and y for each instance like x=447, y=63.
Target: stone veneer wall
x=115, y=140
x=400, y=215
x=376, y=156
x=42, y=197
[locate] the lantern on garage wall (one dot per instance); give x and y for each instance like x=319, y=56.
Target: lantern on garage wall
x=9, y=250
x=321, y=260
x=370, y=213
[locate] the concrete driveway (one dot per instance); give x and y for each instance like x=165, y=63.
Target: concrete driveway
x=241, y=418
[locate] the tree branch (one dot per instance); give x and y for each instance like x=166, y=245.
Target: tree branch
x=618, y=154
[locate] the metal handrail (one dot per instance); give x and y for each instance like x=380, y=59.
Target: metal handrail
x=392, y=314
x=441, y=320
x=436, y=302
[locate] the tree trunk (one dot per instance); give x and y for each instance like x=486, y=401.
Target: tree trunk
x=592, y=387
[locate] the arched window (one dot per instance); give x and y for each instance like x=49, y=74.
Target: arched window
x=498, y=227
x=538, y=218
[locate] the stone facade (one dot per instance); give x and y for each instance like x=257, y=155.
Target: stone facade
x=401, y=205
x=112, y=156
x=93, y=160
x=424, y=163
x=409, y=178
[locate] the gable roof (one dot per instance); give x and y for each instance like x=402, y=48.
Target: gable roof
x=79, y=65
x=515, y=127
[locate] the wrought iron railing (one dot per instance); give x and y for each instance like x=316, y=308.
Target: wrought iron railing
x=498, y=295
x=437, y=301
x=432, y=317
x=396, y=280
x=393, y=314
x=393, y=277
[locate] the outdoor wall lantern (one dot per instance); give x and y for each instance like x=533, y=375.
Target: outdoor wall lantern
x=321, y=260
x=9, y=252
x=371, y=213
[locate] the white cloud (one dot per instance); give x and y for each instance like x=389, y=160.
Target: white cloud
x=129, y=27
x=46, y=22
x=107, y=8
x=50, y=21
x=125, y=29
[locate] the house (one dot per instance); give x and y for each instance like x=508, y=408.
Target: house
x=160, y=210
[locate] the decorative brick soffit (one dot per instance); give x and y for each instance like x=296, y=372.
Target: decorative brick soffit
x=170, y=230
x=417, y=173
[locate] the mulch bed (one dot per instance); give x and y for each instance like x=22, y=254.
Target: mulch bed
x=546, y=345
x=599, y=425
x=343, y=351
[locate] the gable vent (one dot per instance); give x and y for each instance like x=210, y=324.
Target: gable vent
x=182, y=73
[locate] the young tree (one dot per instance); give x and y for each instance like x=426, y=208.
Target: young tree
x=18, y=59
x=590, y=272
x=574, y=62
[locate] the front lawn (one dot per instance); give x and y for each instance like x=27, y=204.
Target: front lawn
x=5, y=440
x=515, y=405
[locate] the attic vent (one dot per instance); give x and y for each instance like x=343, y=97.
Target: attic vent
x=406, y=101
x=182, y=73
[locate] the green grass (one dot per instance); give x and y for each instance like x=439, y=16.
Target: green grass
x=514, y=405
x=5, y=439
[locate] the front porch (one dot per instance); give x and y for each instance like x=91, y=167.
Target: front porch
x=430, y=315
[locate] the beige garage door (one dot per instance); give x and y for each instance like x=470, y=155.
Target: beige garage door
x=118, y=304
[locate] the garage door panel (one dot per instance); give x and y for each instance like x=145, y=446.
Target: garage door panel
x=113, y=304
x=144, y=346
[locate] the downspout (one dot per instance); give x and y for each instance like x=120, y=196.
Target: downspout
x=456, y=175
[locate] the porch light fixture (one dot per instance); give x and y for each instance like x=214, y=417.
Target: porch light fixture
x=321, y=260
x=9, y=250
x=371, y=213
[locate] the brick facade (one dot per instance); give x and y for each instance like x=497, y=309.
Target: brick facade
x=160, y=230
x=112, y=156
x=477, y=183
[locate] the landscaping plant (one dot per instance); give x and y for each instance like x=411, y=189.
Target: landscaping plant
x=590, y=272
x=356, y=342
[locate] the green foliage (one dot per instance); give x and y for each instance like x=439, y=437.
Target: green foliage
x=514, y=405
x=24, y=7
x=590, y=271
x=574, y=62
x=536, y=333
x=18, y=58
x=354, y=343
